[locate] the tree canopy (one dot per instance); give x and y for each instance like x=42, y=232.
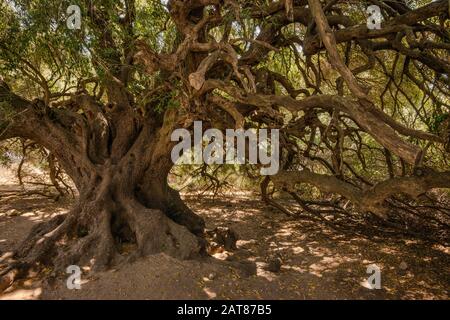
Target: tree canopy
x=363, y=113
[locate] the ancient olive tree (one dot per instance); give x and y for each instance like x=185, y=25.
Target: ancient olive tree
x=363, y=113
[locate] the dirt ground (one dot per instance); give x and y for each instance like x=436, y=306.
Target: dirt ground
x=316, y=262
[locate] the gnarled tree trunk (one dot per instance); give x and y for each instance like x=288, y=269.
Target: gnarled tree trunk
x=119, y=163
x=109, y=215
x=116, y=147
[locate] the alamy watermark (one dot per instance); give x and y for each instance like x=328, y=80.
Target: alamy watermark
x=374, y=281
x=375, y=18
x=74, y=280
x=74, y=17
x=231, y=149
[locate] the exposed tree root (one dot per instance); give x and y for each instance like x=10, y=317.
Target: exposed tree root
x=92, y=236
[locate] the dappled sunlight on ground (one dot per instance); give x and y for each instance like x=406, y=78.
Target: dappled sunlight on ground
x=20, y=210
x=22, y=294
x=316, y=262
x=323, y=263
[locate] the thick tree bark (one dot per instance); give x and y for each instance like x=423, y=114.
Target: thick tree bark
x=116, y=147
x=120, y=164
x=110, y=218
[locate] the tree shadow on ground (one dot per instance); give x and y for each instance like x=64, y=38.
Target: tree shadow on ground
x=317, y=262
x=324, y=263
